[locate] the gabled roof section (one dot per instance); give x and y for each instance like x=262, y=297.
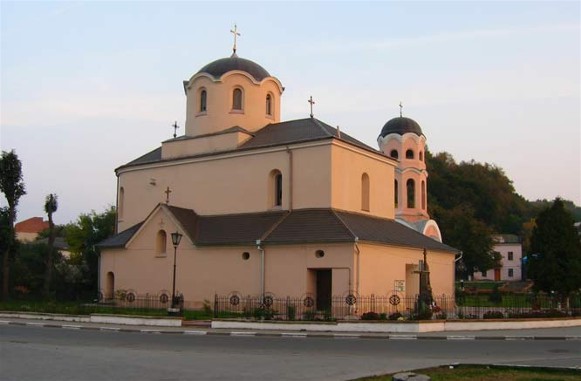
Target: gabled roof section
x=120, y=240
x=296, y=131
x=236, y=229
x=374, y=229
x=150, y=157
x=310, y=225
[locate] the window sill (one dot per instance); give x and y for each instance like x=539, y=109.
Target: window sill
x=236, y=111
x=164, y=255
x=202, y=113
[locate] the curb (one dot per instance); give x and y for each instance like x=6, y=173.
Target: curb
x=291, y=335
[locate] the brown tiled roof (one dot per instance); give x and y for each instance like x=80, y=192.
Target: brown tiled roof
x=31, y=225
x=285, y=228
x=290, y=132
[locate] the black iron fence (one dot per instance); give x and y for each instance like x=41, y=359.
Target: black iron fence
x=393, y=307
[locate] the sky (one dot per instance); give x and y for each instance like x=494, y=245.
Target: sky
x=87, y=86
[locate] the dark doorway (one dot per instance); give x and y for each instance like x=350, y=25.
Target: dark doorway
x=324, y=287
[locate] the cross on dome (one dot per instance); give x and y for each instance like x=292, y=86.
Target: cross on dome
x=236, y=34
x=400, y=109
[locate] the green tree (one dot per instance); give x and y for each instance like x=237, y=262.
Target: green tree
x=82, y=238
x=555, y=262
x=12, y=185
x=50, y=207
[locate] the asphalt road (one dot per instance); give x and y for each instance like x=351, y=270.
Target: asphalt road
x=43, y=353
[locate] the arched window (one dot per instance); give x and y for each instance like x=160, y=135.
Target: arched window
x=121, y=204
x=275, y=188
x=421, y=156
x=269, y=105
x=423, y=195
x=161, y=242
x=409, y=154
x=365, y=192
x=396, y=192
x=411, y=193
x=394, y=154
x=237, y=99
x=203, y=101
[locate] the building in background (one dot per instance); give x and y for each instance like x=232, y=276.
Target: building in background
x=509, y=246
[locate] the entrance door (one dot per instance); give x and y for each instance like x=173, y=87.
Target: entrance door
x=324, y=287
x=496, y=274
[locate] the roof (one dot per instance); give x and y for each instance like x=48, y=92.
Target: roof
x=31, y=225
x=401, y=125
x=287, y=228
x=506, y=238
x=276, y=134
x=222, y=66
x=299, y=130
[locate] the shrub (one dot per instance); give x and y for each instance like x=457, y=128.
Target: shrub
x=383, y=316
x=291, y=312
x=370, y=316
x=395, y=316
x=493, y=315
x=495, y=296
x=309, y=315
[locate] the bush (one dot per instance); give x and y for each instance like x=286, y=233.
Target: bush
x=291, y=312
x=370, y=316
x=537, y=314
x=493, y=315
x=395, y=316
x=495, y=296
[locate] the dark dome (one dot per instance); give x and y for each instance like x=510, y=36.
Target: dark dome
x=220, y=67
x=401, y=125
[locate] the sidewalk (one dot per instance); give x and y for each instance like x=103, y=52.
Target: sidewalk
x=202, y=329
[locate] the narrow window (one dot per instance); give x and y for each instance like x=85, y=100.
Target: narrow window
x=269, y=105
x=278, y=189
x=396, y=192
x=237, y=99
x=394, y=154
x=421, y=156
x=203, y=101
x=161, y=242
x=484, y=273
x=411, y=193
x=510, y=255
x=510, y=273
x=409, y=154
x=365, y=192
x=423, y=195
x=121, y=205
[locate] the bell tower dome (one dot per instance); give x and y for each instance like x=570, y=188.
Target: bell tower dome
x=402, y=139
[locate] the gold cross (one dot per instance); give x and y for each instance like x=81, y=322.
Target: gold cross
x=235, y=33
x=167, y=192
x=312, y=102
x=400, y=109
x=175, y=129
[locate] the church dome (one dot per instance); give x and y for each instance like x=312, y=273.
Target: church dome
x=222, y=66
x=401, y=125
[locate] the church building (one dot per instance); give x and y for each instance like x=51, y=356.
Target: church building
x=288, y=208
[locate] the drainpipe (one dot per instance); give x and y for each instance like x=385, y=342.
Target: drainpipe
x=290, y=178
x=261, y=249
x=358, y=262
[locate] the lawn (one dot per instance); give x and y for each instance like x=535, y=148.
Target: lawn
x=490, y=373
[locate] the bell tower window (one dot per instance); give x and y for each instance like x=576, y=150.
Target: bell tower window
x=409, y=154
x=394, y=154
x=411, y=193
x=237, y=99
x=203, y=101
x=396, y=192
x=269, y=105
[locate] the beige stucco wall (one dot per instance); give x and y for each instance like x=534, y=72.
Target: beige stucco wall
x=219, y=114
x=349, y=165
x=381, y=265
x=203, y=144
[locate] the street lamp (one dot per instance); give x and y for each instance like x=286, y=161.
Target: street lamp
x=175, y=239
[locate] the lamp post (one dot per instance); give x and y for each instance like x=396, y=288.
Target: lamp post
x=176, y=237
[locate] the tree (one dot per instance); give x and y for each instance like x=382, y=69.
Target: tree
x=555, y=262
x=82, y=238
x=463, y=231
x=50, y=207
x=12, y=185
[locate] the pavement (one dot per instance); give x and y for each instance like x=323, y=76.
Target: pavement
x=203, y=328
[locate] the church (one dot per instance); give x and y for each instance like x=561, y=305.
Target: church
x=264, y=206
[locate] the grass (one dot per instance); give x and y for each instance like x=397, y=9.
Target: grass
x=491, y=373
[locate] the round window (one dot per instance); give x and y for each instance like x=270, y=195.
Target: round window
x=319, y=253
x=245, y=255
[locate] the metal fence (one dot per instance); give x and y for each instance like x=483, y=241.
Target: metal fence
x=132, y=301
x=391, y=307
